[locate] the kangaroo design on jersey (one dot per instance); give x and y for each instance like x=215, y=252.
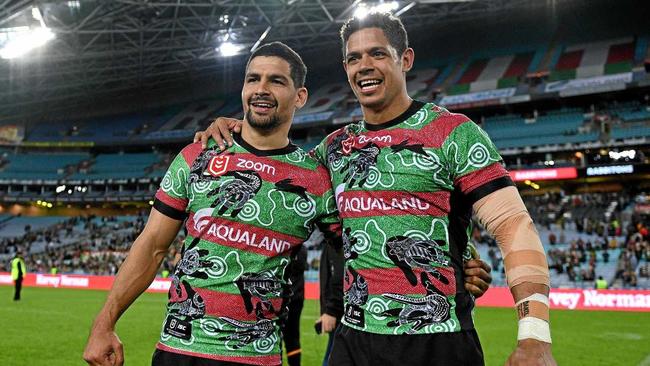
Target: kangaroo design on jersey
x=191, y=263
x=419, y=312
x=416, y=148
x=236, y=192
x=409, y=253
x=286, y=186
x=262, y=285
x=357, y=294
x=247, y=333
x=358, y=168
x=348, y=242
x=201, y=164
x=188, y=303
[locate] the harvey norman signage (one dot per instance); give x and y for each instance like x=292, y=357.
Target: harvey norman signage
x=577, y=299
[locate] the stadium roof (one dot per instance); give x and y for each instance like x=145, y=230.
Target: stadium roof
x=102, y=49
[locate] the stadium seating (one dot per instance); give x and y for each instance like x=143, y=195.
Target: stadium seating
x=559, y=127
x=494, y=72
x=39, y=165
x=594, y=59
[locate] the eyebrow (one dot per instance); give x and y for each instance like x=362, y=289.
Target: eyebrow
x=371, y=50
x=271, y=76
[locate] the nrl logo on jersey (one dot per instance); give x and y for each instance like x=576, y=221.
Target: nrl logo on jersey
x=217, y=165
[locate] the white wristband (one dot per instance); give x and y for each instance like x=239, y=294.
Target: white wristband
x=533, y=328
x=535, y=297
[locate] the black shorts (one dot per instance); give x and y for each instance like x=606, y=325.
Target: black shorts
x=164, y=358
x=355, y=348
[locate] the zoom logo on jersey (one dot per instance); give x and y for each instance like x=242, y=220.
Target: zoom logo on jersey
x=217, y=165
x=255, y=165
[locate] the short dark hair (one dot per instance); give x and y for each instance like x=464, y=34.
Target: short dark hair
x=297, y=67
x=389, y=24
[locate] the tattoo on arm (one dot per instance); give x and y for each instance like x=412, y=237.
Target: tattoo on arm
x=523, y=309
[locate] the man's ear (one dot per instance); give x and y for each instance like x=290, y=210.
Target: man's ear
x=301, y=97
x=408, y=57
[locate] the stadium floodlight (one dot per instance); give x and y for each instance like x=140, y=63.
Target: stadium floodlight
x=20, y=43
x=364, y=9
x=228, y=49
x=60, y=188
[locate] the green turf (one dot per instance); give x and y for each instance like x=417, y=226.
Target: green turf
x=50, y=326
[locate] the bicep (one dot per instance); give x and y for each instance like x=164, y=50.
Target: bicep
x=161, y=229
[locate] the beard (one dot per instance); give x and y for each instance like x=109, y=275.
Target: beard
x=265, y=124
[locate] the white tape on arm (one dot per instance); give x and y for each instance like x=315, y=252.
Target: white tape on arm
x=533, y=328
x=535, y=297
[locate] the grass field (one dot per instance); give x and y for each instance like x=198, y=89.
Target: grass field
x=50, y=326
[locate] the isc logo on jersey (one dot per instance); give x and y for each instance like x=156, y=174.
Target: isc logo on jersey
x=217, y=165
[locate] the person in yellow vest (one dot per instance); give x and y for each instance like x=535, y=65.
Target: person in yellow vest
x=601, y=283
x=18, y=273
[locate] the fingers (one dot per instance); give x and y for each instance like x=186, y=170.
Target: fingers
x=476, y=286
x=222, y=133
x=479, y=273
x=237, y=126
x=119, y=354
x=477, y=263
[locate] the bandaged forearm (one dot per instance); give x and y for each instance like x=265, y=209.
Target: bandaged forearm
x=504, y=216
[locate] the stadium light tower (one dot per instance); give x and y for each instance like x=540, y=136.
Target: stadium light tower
x=364, y=9
x=21, y=40
x=228, y=49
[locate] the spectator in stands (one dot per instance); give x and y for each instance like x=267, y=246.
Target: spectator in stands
x=601, y=283
x=18, y=272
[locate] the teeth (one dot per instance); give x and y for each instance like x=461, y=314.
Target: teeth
x=263, y=105
x=365, y=83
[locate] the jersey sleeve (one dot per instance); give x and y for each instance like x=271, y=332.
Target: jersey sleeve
x=320, y=152
x=172, y=198
x=327, y=218
x=474, y=162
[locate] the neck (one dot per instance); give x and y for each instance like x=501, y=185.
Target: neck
x=386, y=113
x=266, y=140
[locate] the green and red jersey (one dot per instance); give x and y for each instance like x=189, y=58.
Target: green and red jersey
x=404, y=191
x=246, y=210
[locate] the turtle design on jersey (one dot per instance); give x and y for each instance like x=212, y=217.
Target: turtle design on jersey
x=348, y=243
x=263, y=286
x=188, y=302
x=247, y=333
x=357, y=294
x=191, y=263
x=410, y=253
x=358, y=168
x=234, y=193
x=419, y=312
x=200, y=164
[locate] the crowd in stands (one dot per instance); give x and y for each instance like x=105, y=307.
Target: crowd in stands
x=581, y=245
x=587, y=236
x=83, y=245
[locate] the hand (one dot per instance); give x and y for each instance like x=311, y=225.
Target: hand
x=104, y=348
x=328, y=323
x=477, y=277
x=219, y=129
x=531, y=352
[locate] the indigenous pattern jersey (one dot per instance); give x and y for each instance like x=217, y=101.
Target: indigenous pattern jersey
x=246, y=210
x=404, y=190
